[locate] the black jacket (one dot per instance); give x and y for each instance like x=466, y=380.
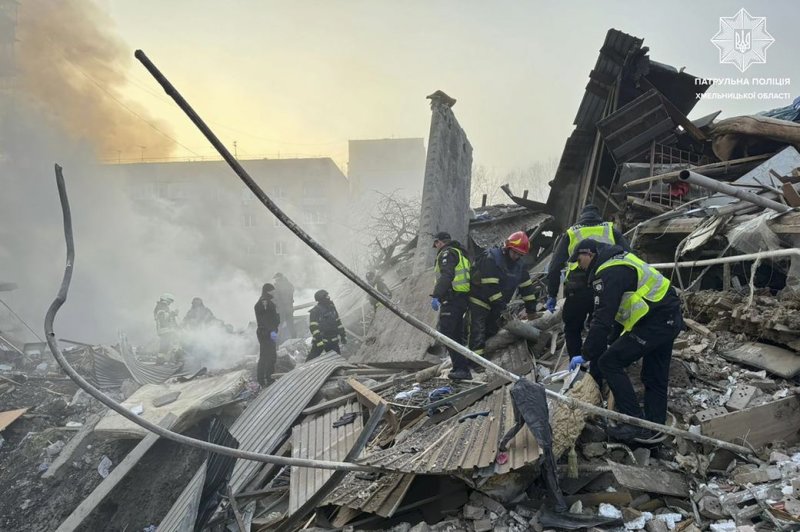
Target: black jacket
x=561, y=252
x=608, y=286
x=267, y=317
x=447, y=260
x=324, y=322
x=496, y=277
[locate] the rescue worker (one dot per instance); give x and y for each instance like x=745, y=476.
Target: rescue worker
x=166, y=325
x=284, y=301
x=325, y=325
x=635, y=295
x=499, y=273
x=376, y=282
x=450, y=297
x=579, y=297
x=267, y=321
x=198, y=316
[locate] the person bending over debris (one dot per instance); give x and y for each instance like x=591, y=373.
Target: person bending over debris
x=450, y=297
x=166, y=325
x=267, y=320
x=579, y=297
x=496, y=276
x=198, y=316
x=376, y=282
x=326, y=327
x=641, y=300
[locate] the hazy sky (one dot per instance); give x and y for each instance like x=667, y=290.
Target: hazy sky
x=304, y=76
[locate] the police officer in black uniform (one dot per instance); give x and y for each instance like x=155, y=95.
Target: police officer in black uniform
x=642, y=301
x=450, y=297
x=267, y=320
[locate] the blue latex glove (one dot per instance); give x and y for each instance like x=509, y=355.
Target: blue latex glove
x=273, y=336
x=551, y=304
x=435, y=304
x=575, y=361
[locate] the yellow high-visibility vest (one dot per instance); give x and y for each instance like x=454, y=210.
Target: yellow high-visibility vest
x=603, y=232
x=650, y=286
x=461, y=276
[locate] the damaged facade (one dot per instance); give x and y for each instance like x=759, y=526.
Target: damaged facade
x=433, y=450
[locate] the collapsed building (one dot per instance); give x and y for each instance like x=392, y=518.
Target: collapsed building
x=709, y=202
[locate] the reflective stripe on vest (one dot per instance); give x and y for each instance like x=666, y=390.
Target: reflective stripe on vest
x=603, y=232
x=461, y=273
x=650, y=286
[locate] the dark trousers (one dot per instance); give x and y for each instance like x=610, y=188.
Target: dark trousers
x=286, y=328
x=331, y=344
x=577, y=308
x=651, y=340
x=451, y=324
x=267, y=357
x=483, y=323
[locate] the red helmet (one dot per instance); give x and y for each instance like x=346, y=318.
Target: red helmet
x=518, y=242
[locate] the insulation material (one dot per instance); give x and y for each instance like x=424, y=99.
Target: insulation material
x=568, y=422
x=754, y=235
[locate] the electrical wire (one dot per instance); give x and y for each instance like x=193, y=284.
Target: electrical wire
x=21, y=320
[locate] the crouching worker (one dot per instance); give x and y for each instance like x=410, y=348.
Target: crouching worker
x=634, y=294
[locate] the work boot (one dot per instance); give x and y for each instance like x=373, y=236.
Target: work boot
x=628, y=433
x=460, y=374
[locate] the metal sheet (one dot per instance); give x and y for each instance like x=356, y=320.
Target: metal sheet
x=270, y=416
x=453, y=447
x=141, y=372
x=316, y=438
x=493, y=232
x=381, y=496
x=183, y=514
x=783, y=163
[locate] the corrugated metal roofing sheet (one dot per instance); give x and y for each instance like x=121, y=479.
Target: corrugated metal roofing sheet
x=381, y=496
x=183, y=514
x=144, y=373
x=269, y=417
x=462, y=444
x=316, y=438
x=494, y=232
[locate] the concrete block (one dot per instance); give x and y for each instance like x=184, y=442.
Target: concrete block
x=711, y=413
x=656, y=525
x=473, y=512
x=759, y=476
x=482, y=525
x=741, y=397
x=593, y=449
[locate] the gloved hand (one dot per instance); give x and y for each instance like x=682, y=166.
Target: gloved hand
x=273, y=336
x=575, y=361
x=550, y=304
x=435, y=304
x=343, y=340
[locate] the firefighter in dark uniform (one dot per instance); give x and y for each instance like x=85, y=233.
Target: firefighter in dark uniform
x=579, y=297
x=449, y=297
x=325, y=325
x=267, y=320
x=635, y=295
x=499, y=273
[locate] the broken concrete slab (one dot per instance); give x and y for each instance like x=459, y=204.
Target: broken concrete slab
x=650, y=480
x=741, y=396
x=776, y=360
x=197, y=397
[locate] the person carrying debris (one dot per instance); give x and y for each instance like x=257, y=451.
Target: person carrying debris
x=635, y=295
x=325, y=325
x=166, y=325
x=450, y=296
x=376, y=282
x=284, y=301
x=497, y=275
x=267, y=321
x=579, y=297
x=198, y=316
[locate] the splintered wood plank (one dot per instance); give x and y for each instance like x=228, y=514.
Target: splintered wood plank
x=758, y=425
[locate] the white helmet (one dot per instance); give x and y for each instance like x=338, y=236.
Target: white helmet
x=166, y=296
